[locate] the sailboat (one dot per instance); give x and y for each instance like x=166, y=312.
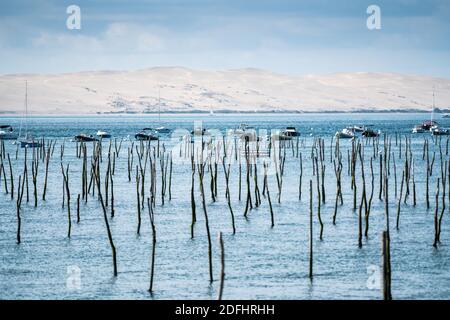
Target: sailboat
x=428, y=125
x=28, y=141
x=160, y=129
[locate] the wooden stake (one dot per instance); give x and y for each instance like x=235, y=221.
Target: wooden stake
x=222, y=269
x=310, y=230
x=152, y=264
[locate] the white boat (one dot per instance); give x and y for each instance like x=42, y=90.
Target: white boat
x=162, y=130
x=419, y=129
x=6, y=133
x=428, y=125
x=103, y=134
x=357, y=128
x=147, y=134
x=6, y=127
x=291, y=132
x=345, y=134
x=436, y=131
x=82, y=137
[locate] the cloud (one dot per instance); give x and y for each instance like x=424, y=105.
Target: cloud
x=117, y=38
x=296, y=36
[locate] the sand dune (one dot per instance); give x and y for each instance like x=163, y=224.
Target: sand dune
x=242, y=90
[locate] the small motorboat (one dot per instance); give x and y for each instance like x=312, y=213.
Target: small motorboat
x=436, y=131
x=162, y=130
x=291, y=132
x=8, y=135
x=103, y=134
x=369, y=133
x=425, y=126
x=357, y=128
x=85, y=138
x=419, y=129
x=345, y=134
x=146, y=134
x=6, y=127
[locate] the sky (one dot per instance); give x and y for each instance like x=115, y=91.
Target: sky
x=283, y=36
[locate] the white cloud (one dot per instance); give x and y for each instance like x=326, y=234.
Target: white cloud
x=117, y=38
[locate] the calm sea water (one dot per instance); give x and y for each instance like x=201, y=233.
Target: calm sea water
x=261, y=262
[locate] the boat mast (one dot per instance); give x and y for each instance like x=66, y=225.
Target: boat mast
x=26, y=109
x=432, y=110
x=159, y=105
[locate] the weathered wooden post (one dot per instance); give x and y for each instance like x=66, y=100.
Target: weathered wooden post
x=385, y=246
x=111, y=242
x=138, y=201
x=400, y=200
x=11, y=177
x=66, y=187
x=310, y=230
x=227, y=192
x=201, y=173
x=152, y=264
x=47, y=159
x=194, y=217
x=222, y=265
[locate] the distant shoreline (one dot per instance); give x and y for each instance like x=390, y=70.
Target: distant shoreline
x=226, y=112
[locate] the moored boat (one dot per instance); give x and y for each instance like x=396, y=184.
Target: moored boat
x=369, y=133
x=85, y=138
x=6, y=127
x=8, y=135
x=146, y=134
x=291, y=132
x=162, y=130
x=103, y=134
x=345, y=134
x=357, y=128
x=436, y=131
x=30, y=143
x=425, y=126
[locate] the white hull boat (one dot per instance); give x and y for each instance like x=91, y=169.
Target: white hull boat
x=345, y=134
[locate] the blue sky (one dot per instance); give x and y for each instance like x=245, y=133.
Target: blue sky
x=294, y=37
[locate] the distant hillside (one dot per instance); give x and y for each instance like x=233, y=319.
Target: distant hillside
x=243, y=90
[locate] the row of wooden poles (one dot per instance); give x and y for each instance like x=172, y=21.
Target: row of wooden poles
x=206, y=155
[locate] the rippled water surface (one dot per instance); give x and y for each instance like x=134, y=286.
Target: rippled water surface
x=261, y=262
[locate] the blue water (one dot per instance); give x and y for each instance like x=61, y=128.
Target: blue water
x=261, y=262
